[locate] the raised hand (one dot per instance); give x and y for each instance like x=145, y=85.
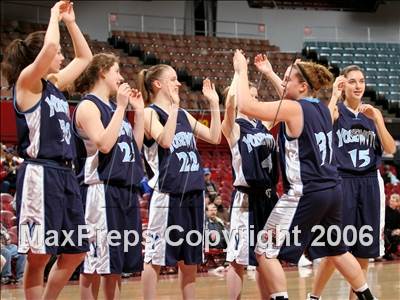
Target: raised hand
x=209, y=92
x=123, y=94
x=59, y=8
x=262, y=64
x=68, y=16
x=239, y=61
x=369, y=111
x=136, y=100
x=338, y=86
x=173, y=92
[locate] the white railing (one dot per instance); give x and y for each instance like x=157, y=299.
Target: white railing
x=176, y=25
x=389, y=34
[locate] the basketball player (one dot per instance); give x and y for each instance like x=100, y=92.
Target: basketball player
x=255, y=176
x=359, y=137
x=312, y=189
x=109, y=171
x=48, y=198
x=177, y=177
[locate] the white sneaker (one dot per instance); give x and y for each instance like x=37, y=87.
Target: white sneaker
x=304, y=262
x=309, y=297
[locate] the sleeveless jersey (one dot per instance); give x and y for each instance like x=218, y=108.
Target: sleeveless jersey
x=307, y=162
x=177, y=169
x=357, y=146
x=44, y=131
x=121, y=166
x=254, y=156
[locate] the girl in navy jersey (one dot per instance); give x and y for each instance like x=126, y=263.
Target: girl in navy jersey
x=48, y=198
x=109, y=171
x=359, y=137
x=312, y=189
x=255, y=176
x=177, y=177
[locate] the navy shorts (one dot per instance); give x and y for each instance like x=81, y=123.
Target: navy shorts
x=171, y=218
x=49, y=210
x=304, y=218
x=250, y=210
x=364, y=208
x=113, y=214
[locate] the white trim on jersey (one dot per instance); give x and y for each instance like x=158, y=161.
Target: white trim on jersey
x=151, y=156
x=91, y=173
x=33, y=121
x=156, y=244
x=381, y=214
x=239, y=233
x=292, y=167
x=282, y=215
x=98, y=258
x=237, y=165
x=32, y=220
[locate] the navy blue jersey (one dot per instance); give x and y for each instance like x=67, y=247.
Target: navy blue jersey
x=307, y=161
x=177, y=169
x=121, y=166
x=44, y=131
x=254, y=156
x=357, y=146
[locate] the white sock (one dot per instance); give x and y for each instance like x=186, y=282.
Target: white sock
x=284, y=294
x=362, y=288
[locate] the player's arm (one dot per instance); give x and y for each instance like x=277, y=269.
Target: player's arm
x=337, y=90
x=210, y=134
x=83, y=54
x=387, y=141
x=136, y=101
x=264, y=66
x=30, y=77
x=229, y=127
x=287, y=111
x=88, y=118
x=163, y=135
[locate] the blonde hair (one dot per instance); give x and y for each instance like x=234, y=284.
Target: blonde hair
x=146, y=77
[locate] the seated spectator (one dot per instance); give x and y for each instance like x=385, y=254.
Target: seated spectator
x=215, y=223
x=211, y=189
x=9, y=251
x=389, y=177
x=392, y=227
x=222, y=212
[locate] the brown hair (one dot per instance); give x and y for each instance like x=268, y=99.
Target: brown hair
x=20, y=54
x=146, y=77
x=100, y=62
x=349, y=69
x=315, y=75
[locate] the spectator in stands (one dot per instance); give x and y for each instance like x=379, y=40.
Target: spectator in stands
x=222, y=212
x=9, y=251
x=33, y=68
x=389, y=177
x=213, y=222
x=9, y=165
x=392, y=227
x=211, y=189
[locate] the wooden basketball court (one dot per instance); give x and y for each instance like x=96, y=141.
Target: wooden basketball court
x=384, y=280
